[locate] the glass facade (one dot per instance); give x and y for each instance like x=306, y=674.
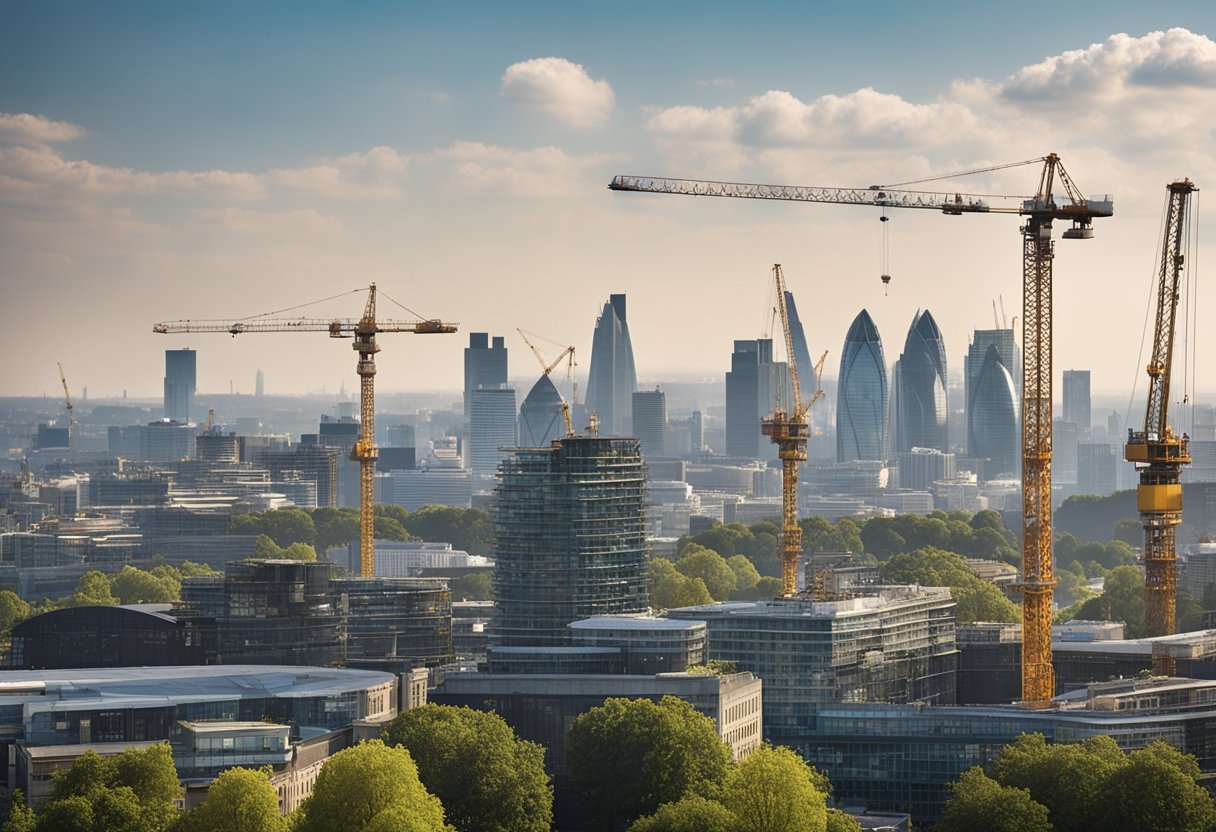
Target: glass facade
x=401, y=621
x=102, y=637
x=992, y=414
x=570, y=538
x=861, y=394
x=613, y=377
x=922, y=412
x=540, y=416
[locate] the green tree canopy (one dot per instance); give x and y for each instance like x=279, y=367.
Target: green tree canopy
x=977, y=802
x=774, y=790
x=131, y=792
x=1122, y=599
x=135, y=586
x=335, y=527
x=239, y=799
x=12, y=610
x=93, y=588
x=670, y=589
x=488, y=779
x=691, y=813
x=698, y=562
x=1155, y=789
x=21, y=818
x=468, y=529
x=746, y=577
x=286, y=526
x=1064, y=777
x=977, y=599
x=476, y=586
x=630, y=756
x=838, y=821
x=370, y=787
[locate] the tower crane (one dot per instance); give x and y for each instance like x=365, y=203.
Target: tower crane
x=546, y=369
x=67, y=397
x=1157, y=452
x=364, y=331
x=1038, y=250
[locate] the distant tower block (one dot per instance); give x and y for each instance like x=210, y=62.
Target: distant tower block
x=613, y=377
x=180, y=380
x=259, y=385
x=861, y=394
x=650, y=421
x=921, y=398
x=485, y=364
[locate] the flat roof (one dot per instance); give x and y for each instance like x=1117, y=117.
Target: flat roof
x=631, y=622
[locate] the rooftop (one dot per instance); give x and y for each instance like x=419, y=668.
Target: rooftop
x=633, y=622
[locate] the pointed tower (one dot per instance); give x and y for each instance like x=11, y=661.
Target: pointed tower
x=861, y=394
x=613, y=378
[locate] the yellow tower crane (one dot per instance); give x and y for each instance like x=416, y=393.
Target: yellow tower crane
x=364, y=331
x=547, y=368
x=1037, y=580
x=1157, y=451
x=67, y=398
x=788, y=428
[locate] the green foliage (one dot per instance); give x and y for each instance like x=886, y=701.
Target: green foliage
x=93, y=588
x=773, y=790
x=21, y=818
x=335, y=526
x=630, y=756
x=691, y=813
x=468, y=529
x=1064, y=777
x=1156, y=789
x=239, y=799
x=977, y=599
x=670, y=589
x=1122, y=599
x=768, y=587
x=714, y=667
x=12, y=610
x=838, y=821
x=131, y=792
x=286, y=526
x=488, y=779
x=473, y=587
x=250, y=523
x=370, y=787
x=698, y=562
x=72, y=814
x=818, y=535
x=266, y=549
x=746, y=577
x=135, y=586
x=758, y=543
x=979, y=802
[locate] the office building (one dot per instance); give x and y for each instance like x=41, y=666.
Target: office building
x=650, y=422
x=861, y=394
x=895, y=644
x=491, y=413
x=540, y=416
x=919, y=409
x=1077, y=401
x=570, y=538
x=993, y=428
x=180, y=382
x=485, y=364
x=428, y=486
x=921, y=467
x=973, y=363
x=613, y=376
x=315, y=463
x=126, y=636
x=754, y=385
x=393, y=624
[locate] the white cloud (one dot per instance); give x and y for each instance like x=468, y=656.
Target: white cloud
x=22, y=128
x=534, y=173
x=560, y=89
x=244, y=221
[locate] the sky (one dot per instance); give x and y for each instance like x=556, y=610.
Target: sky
x=162, y=161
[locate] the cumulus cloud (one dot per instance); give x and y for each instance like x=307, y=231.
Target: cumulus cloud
x=560, y=89
x=25, y=128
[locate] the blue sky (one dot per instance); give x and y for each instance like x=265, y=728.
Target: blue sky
x=172, y=160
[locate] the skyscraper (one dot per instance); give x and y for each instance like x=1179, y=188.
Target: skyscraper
x=540, y=415
x=922, y=411
x=613, y=376
x=992, y=418
x=180, y=381
x=650, y=421
x=861, y=394
x=1077, y=401
x=801, y=353
x=973, y=362
x=491, y=414
x=753, y=386
x=570, y=538
x=485, y=364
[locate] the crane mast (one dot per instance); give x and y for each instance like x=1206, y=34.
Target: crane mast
x=1156, y=451
x=364, y=331
x=67, y=398
x=1037, y=581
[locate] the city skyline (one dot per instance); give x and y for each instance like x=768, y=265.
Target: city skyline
x=149, y=173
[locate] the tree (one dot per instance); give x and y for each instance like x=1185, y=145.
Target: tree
x=1155, y=789
x=468, y=529
x=93, y=588
x=881, y=539
x=72, y=814
x=12, y=610
x=239, y=799
x=838, y=821
x=976, y=599
x=249, y=523
x=670, y=589
x=131, y=792
x=979, y=802
x=698, y=562
x=692, y=813
x=746, y=577
x=135, y=586
x=335, y=527
x=370, y=787
x=1065, y=777
x=473, y=587
x=773, y=790
x=298, y=551
x=265, y=549
x=488, y=779
x=286, y=526
x=630, y=756
x=1122, y=599
x=21, y=818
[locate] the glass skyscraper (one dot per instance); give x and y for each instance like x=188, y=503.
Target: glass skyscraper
x=754, y=385
x=570, y=538
x=973, y=363
x=540, y=416
x=180, y=381
x=613, y=377
x=920, y=413
x=992, y=418
x=485, y=364
x=861, y=394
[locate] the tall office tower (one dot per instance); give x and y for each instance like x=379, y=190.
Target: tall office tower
x=485, y=364
x=540, y=416
x=973, y=362
x=650, y=421
x=753, y=386
x=801, y=352
x=570, y=538
x=613, y=377
x=340, y=433
x=922, y=413
x=861, y=394
x=491, y=415
x=180, y=380
x=259, y=384
x=993, y=433
x=1077, y=402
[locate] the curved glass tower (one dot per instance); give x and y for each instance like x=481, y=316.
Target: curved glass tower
x=993, y=417
x=613, y=378
x=922, y=412
x=540, y=416
x=861, y=394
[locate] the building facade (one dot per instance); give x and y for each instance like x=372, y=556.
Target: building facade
x=181, y=377
x=613, y=377
x=921, y=412
x=861, y=394
x=754, y=385
x=485, y=364
x=993, y=428
x=1077, y=401
x=650, y=421
x=540, y=416
x=491, y=414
